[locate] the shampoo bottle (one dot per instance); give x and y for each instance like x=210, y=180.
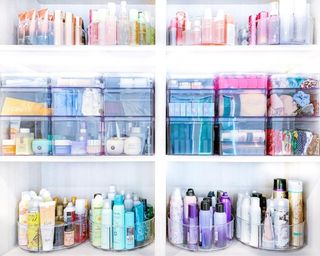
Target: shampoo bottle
x=205, y=225
x=139, y=224
x=106, y=226
x=176, y=218
x=129, y=230
x=255, y=222
x=220, y=226
x=118, y=223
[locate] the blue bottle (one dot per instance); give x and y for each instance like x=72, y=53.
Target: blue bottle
x=118, y=223
x=139, y=224
x=129, y=230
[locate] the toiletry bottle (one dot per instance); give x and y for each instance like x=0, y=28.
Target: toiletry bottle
x=123, y=25
x=33, y=231
x=99, y=23
x=268, y=232
x=181, y=26
x=190, y=198
x=213, y=199
x=281, y=223
x=149, y=29
x=148, y=147
x=188, y=33
x=300, y=21
x=252, y=30
x=133, y=144
x=142, y=29
x=106, y=226
x=219, y=29
x=96, y=211
x=69, y=28
x=112, y=193
x=279, y=189
x=24, y=142
x=8, y=147
x=274, y=24
x=196, y=32
x=111, y=25
x=176, y=217
x=206, y=28
x=219, y=194
x=128, y=202
x=310, y=27
x=262, y=28
x=245, y=220
x=230, y=30
x=69, y=219
x=139, y=224
x=23, y=218
x=118, y=223
x=263, y=206
x=144, y=203
x=255, y=222
x=226, y=201
x=81, y=221
x=58, y=27
x=129, y=230
x=134, y=26
x=220, y=226
x=286, y=11
x=149, y=223
x=173, y=32
x=238, y=221
x=205, y=225
x=59, y=227
x=43, y=27
x=295, y=191
x=192, y=227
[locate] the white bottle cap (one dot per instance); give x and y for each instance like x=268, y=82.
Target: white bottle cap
x=176, y=194
x=80, y=206
x=112, y=189
x=112, y=8
x=274, y=9
x=107, y=204
x=25, y=196
x=33, y=194
x=255, y=202
x=295, y=186
x=24, y=130
x=133, y=15
x=207, y=14
x=128, y=196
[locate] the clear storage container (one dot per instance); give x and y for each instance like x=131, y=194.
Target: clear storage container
x=187, y=81
x=190, y=136
x=242, y=136
x=293, y=136
x=129, y=136
x=294, y=81
x=241, y=81
x=24, y=79
x=77, y=135
x=81, y=80
x=25, y=135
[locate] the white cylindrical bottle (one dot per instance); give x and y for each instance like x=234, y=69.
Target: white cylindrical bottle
x=111, y=25
x=245, y=220
x=238, y=221
x=255, y=221
x=106, y=226
x=281, y=223
x=176, y=217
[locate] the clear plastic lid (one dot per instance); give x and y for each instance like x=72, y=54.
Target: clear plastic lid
x=242, y=81
x=294, y=81
x=24, y=79
x=76, y=80
x=128, y=80
x=191, y=81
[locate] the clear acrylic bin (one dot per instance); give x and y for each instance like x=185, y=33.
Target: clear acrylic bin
x=47, y=238
x=128, y=80
x=24, y=79
x=25, y=101
x=141, y=235
x=77, y=136
x=190, y=136
x=82, y=80
x=242, y=81
x=218, y=237
x=25, y=135
x=77, y=101
x=293, y=136
x=294, y=81
x=129, y=136
x=242, y=136
x=187, y=81
x=283, y=237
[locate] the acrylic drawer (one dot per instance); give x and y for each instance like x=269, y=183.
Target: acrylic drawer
x=242, y=81
x=77, y=101
x=128, y=80
x=191, y=103
x=294, y=136
x=129, y=102
x=294, y=102
x=294, y=81
x=129, y=136
x=242, y=103
x=190, y=136
x=24, y=80
x=77, y=135
x=242, y=136
x=25, y=101
x=85, y=80
x=25, y=135
x=185, y=81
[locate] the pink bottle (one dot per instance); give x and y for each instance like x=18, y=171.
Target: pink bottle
x=252, y=30
x=262, y=28
x=219, y=28
x=206, y=29
x=196, y=32
x=111, y=25
x=181, y=27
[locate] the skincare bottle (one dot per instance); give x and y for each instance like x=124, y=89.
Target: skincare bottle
x=300, y=20
x=24, y=142
x=23, y=218
x=173, y=32
x=196, y=32
x=118, y=223
x=274, y=24
x=190, y=198
x=262, y=28
x=192, y=227
x=176, y=217
x=129, y=230
x=69, y=219
x=142, y=29
x=230, y=30
x=255, y=221
x=123, y=25
x=106, y=226
x=286, y=10
x=81, y=221
x=219, y=29
x=96, y=211
x=220, y=226
x=206, y=28
x=281, y=223
x=238, y=221
x=139, y=224
x=33, y=236
x=181, y=26
x=111, y=25
x=245, y=220
x=205, y=225
x=295, y=191
x=279, y=189
x=268, y=232
x=134, y=26
x=128, y=202
x=112, y=194
x=252, y=30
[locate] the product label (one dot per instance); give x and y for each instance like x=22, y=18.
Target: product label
x=130, y=235
x=69, y=238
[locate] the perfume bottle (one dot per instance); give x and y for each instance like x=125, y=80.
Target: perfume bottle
x=123, y=25
x=262, y=28
x=274, y=24
x=206, y=28
x=111, y=25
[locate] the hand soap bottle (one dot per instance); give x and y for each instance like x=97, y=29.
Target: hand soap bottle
x=24, y=142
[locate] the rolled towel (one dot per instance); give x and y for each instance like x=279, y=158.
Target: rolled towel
x=253, y=104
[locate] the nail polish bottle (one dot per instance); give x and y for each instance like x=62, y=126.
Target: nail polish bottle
x=206, y=28
x=274, y=24
x=262, y=28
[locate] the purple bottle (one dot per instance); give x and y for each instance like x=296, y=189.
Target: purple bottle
x=205, y=225
x=226, y=201
x=193, y=232
x=220, y=226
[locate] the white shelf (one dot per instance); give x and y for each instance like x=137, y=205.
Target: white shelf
x=212, y=2
x=87, y=250
x=91, y=2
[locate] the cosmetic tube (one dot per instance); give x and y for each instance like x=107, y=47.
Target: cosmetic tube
x=206, y=27
x=30, y=29
x=118, y=223
x=139, y=224
x=123, y=25
x=274, y=24
x=33, y=232
x=96, y=211
x=238, y=221
x=220, y=226
x=281, y=223
x=173, y=32
x=268, y=232
x=181, y=26
x=252, y=30
x=190, y=198
x=255, y=222
x=106, y=226
x=111, y=25
x=279, y=189
x=47, y=222
x=176, y=218
x=295, y=190
x=262, y=28
x=245, y=220
x=129, y=230
x=192, y=226
x=205, y=225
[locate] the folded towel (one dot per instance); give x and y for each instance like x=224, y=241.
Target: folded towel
x=253, y=104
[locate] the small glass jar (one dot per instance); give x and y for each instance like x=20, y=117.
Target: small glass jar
x=8, y=147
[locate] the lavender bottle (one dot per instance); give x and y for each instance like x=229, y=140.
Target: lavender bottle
x=226, y=201
x=220, y=226
x=205, y=220
x=193, y=233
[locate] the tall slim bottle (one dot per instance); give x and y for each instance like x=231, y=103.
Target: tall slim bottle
x=118, y=223
x=274, y=24
x=181, y=26
x=226, y=201
x=142, y=29
x=123, y=25
x=96, y=210
x=111, y=25
x=176, y=218
x=205, y=225
x=134, y=26
x=286, y=10
x=139, y=224
x=190, y=198
x=220, y=226
x=255, y=221
x=206, y=27
x=106, y=226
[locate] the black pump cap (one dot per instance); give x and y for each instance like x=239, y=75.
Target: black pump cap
x=190, y=192
x=219, y=193
x=219, y=207
x=205, y=205
x=209, y=199
x=263, y=202
x=211, y=194
x=94, y=196
x=280, y=184
x=256, y=194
